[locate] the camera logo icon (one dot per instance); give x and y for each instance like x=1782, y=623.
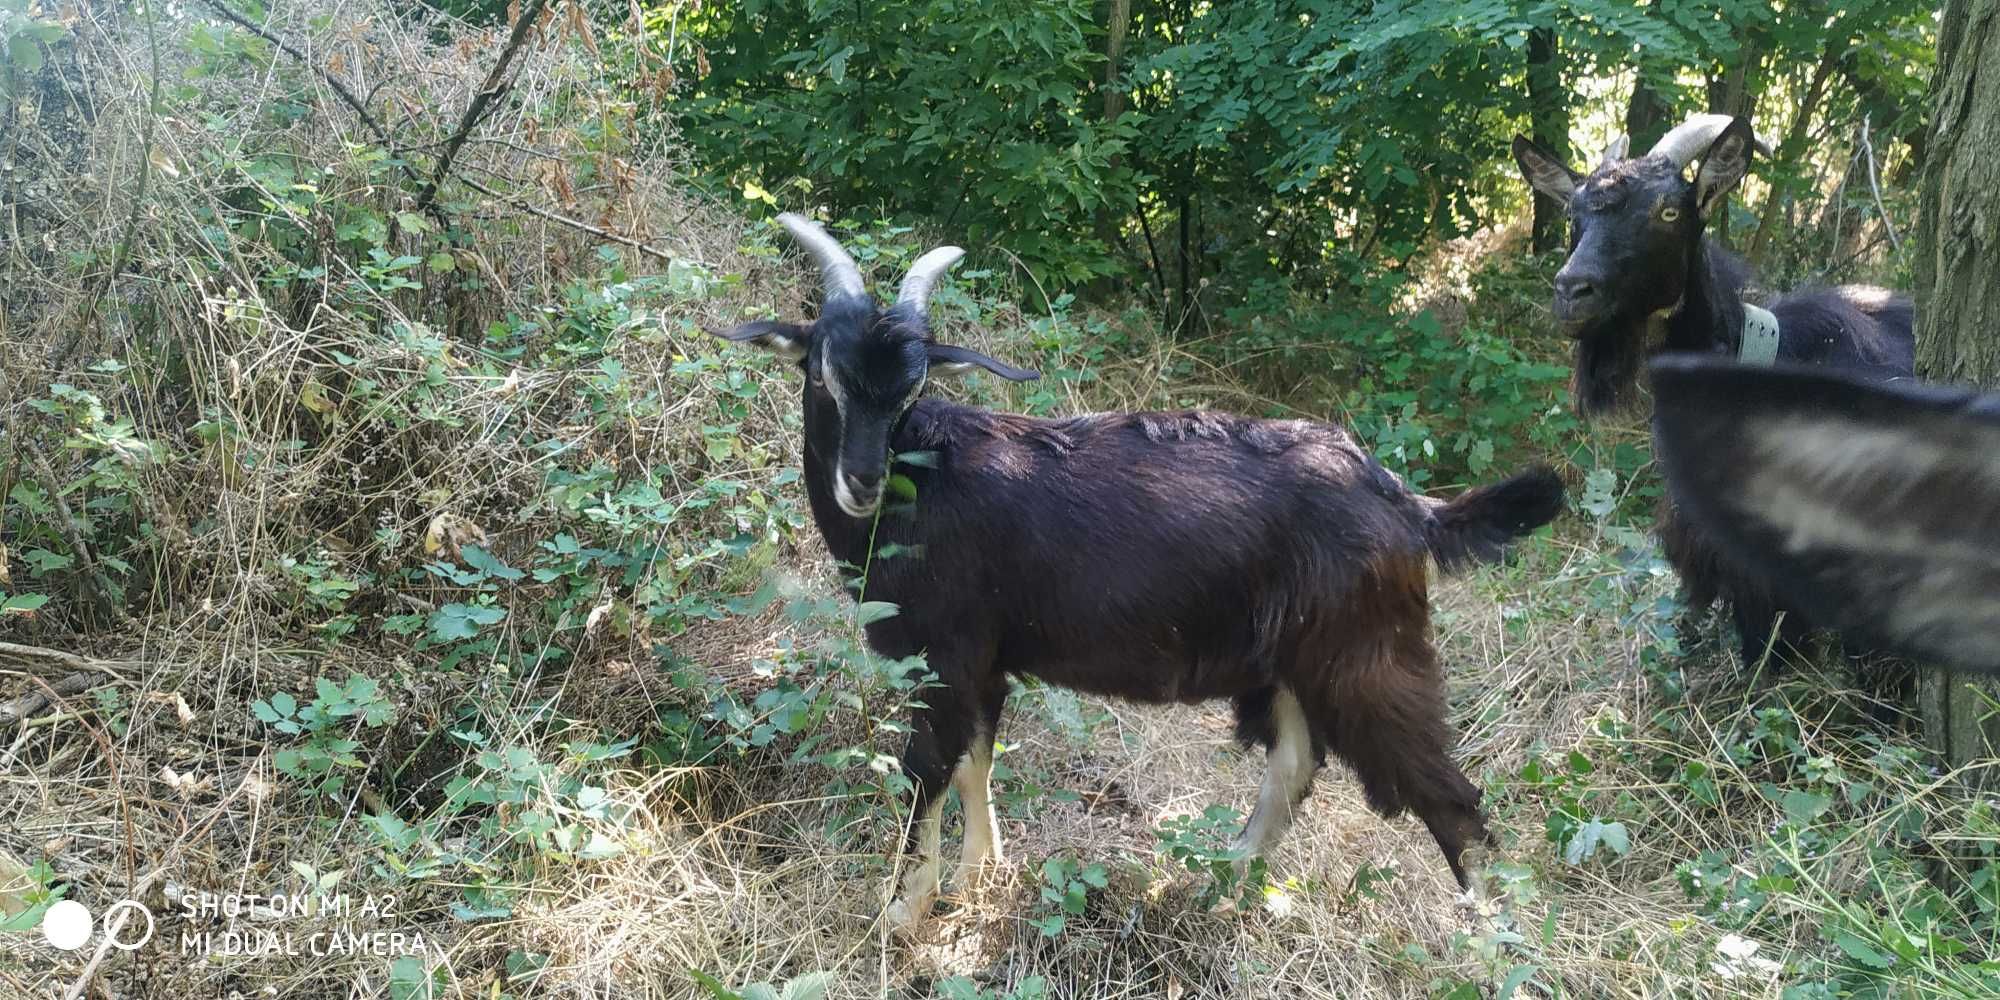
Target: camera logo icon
x=67, y=925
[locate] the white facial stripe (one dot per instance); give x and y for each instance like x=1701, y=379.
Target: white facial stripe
x=841, y=494
x=833, y=386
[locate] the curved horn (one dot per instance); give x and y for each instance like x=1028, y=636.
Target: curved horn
x=836, y=268
x=916, y=288
x=1692, y=138
x=1615, y=151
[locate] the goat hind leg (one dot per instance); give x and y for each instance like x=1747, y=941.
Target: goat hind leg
x=1289, y=765
x=1389, y=725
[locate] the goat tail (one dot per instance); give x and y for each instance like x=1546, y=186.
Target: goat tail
x=1476, y=525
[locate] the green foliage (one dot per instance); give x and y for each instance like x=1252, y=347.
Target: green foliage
x=980, y=112
x=328, y=726
x=24, y=31
x=961, y=988
x=1200, y=844
x=1064, y=888
x=28, y=896
x=811, y=986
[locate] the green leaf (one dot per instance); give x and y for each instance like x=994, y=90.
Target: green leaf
x=25, y=53
x=1803, y=807
x=903, y=486
x=713, y=986
x=811, y=986
x=489, y=564
x=1515, y=980
x=1860, y=951
x=23, y=603
x=463, y=621
x=870, y=612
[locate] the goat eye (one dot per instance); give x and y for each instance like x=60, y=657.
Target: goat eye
x=1669, y=214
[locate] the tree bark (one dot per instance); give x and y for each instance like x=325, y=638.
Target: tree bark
x=1548, y=121
x=1958, y=284
x=1646, y=117
x=1119, y=19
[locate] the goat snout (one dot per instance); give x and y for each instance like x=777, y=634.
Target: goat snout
x=1577, y=298
x=857, y=495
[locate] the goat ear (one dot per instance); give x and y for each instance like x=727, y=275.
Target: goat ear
x=1873, y=509
x=787, y=339
x=1544, y=171
x=1723, y=167
x=946, y=359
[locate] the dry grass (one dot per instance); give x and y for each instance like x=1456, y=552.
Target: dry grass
x=162, y=782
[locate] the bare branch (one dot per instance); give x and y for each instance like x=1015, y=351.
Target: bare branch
x=494, y=85
x=564, y=220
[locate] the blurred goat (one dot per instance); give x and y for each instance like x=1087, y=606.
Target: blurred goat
x=1875, y=509
x=1642, y=279
x=1157, y=557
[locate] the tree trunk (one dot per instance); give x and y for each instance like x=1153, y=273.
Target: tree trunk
x=1958, y=283
x=1646, y=117
x=1117, y=21
x=1548, y=120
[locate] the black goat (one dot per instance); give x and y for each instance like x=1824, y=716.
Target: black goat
x=1157, y=557
x=1875, y=508
x=1642, y=279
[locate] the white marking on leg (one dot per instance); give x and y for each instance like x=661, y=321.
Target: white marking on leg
x=920, y=881
x=1288, y=772
x=982, y=828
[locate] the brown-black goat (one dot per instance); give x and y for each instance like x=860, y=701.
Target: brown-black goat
x=1873, y=507
x=1157, y=557
x=1642, y=279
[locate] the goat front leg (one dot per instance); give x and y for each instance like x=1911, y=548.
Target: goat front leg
x=937, y=742
x=975, y=794
x=982, y=828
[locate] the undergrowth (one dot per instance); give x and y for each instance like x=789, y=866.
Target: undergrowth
x=436, y=552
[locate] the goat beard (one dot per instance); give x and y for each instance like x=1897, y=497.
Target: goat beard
x=1607, y=368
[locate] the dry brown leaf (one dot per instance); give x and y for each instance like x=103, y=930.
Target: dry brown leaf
x=182, y=712
x=450, y=532
x=185, y=785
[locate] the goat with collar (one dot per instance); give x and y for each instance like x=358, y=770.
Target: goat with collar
x=1642, y=278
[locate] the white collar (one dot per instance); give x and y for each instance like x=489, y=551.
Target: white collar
x=1759, y=345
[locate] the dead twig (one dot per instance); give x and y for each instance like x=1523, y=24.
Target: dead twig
x=90, y=302
x=1875, y=187
x=340, y=89
x=496, y=83
x=13, y=712
x=564, y=220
